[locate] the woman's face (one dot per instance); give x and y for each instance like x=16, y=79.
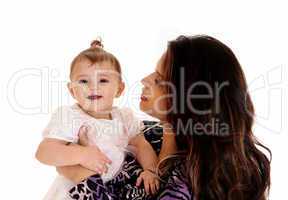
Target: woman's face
x=153, y=97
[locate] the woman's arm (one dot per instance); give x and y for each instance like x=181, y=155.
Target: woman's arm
x=75, y=173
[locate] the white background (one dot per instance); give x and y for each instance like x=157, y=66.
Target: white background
x=40, y=38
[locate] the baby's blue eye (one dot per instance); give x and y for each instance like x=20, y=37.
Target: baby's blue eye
x=83, y=81
x=104, y=81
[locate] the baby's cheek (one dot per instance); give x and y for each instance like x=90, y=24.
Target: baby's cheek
x=79, y=93
x=110, y=93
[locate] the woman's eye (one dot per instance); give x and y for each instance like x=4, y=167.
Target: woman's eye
x=83, y=81
x=103, y=81
x=157, y=81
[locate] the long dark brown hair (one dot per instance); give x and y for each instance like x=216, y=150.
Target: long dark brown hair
x=227, y=163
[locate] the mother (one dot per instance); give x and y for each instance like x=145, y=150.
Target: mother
x=199, y=93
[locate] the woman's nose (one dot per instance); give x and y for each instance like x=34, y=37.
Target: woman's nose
x=144, y=81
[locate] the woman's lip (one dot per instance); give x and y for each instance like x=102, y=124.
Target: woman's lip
x=144, y=98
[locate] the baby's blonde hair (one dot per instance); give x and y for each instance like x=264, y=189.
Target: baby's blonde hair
x=96, y=54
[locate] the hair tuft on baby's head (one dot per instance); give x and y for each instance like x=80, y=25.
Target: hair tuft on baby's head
x=96, y=54
x=97, y=43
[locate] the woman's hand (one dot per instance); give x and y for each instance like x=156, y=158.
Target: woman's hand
x=150, y=180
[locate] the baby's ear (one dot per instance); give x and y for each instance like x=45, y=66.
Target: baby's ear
x=120, y=89
x=70, y=88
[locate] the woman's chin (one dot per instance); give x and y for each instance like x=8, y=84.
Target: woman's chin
x=144, y=107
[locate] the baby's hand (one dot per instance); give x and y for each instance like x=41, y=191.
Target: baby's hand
x=83, y=137
x=151, y=182
x=92, y=158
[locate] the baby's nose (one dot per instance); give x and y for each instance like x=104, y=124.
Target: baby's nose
x=93, y=85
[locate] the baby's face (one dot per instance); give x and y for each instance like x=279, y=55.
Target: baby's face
x=95, y=86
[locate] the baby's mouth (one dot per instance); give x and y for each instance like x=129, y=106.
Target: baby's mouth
x=94, y=97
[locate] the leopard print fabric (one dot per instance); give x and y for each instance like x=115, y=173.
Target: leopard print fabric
x=122, y=187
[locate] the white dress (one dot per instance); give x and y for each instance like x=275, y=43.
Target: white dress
x=111, y=136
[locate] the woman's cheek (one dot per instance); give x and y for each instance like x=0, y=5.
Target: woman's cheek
x=160, y=103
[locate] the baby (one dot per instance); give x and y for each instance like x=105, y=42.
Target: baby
x=96, y=81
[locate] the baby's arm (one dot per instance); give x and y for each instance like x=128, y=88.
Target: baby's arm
x=169, y=146
x=77, y=173
x=53, y=149
x=60, y=130
x=145, y=154
x=55, y=152
x=147, y=158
